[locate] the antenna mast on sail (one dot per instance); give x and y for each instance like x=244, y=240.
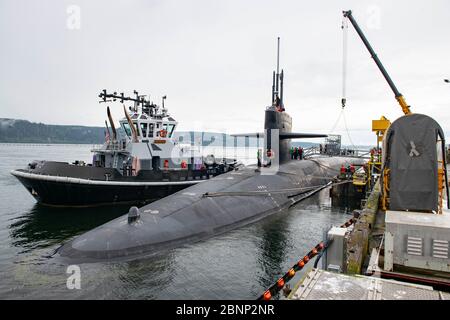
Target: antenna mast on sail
x=277, y=83
x=278, y=62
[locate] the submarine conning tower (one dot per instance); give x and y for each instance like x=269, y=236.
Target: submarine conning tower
x=282, y=121
x=276, y=117
x=278, y=124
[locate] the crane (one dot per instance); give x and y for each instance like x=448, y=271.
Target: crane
x=398, y=96
x=381, y=127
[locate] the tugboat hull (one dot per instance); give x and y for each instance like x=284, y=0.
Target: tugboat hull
x=88, y=193
x=63, y=184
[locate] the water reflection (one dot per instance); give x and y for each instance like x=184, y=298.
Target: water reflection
x=275, y=238
x=44, y=226
x=238, y=264
x=345, y=204
x=287, y=233
x=137, y=279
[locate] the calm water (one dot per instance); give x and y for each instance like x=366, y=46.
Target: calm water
x=240, y=264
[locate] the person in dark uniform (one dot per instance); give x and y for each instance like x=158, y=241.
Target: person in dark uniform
x=258, y=155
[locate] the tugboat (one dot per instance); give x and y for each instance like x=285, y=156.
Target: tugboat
x=142, y=164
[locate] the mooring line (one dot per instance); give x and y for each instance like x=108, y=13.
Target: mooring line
x=280, y=283
x=265, y=192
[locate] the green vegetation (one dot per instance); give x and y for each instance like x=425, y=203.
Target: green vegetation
x=23, y=131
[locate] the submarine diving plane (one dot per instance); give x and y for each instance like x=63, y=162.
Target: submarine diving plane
x=223, y=203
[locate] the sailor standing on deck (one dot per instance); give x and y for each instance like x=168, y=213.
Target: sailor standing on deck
x=258, y=155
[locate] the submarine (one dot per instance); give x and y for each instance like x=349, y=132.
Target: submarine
x=221, y=204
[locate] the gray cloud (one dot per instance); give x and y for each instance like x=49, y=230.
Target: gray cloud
x=214, y=59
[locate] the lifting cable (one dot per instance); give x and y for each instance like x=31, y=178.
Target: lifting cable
x=344, y=61
x=317, y=250
x=344, y=28
x=346, y=129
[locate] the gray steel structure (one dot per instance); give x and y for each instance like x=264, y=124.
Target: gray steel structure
x=417, y=239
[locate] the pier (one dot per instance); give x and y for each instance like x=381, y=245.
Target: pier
x=377, y=257
x=324, y=285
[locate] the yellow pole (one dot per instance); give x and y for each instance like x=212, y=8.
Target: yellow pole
x=401, y=100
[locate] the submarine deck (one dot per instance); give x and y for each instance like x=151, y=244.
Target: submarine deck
x=228, y=201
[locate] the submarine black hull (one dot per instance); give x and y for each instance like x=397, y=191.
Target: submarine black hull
x=63, y=184
x=223, y=203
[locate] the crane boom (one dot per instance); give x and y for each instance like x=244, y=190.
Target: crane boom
x=401, y=100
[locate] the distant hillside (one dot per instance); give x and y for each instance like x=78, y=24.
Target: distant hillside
x=23, y=131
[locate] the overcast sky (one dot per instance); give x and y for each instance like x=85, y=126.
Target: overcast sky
x=214, y=60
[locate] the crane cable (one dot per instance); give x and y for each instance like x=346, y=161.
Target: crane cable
x=344, y=28
x=346, y=129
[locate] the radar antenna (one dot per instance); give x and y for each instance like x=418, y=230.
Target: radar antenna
x=147, y=107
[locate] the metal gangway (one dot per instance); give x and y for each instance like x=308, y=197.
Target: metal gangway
x=315, y=151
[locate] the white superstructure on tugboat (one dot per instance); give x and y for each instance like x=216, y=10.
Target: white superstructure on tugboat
x=142, y=164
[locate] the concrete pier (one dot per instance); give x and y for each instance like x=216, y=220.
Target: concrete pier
x=358, y=239
x=385, y=255
x=324, y=285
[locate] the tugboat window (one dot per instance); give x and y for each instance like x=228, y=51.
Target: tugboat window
x=170, y=131
x=151, y=128
x=127, y=129
x=158, y=125
x=144, y=130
